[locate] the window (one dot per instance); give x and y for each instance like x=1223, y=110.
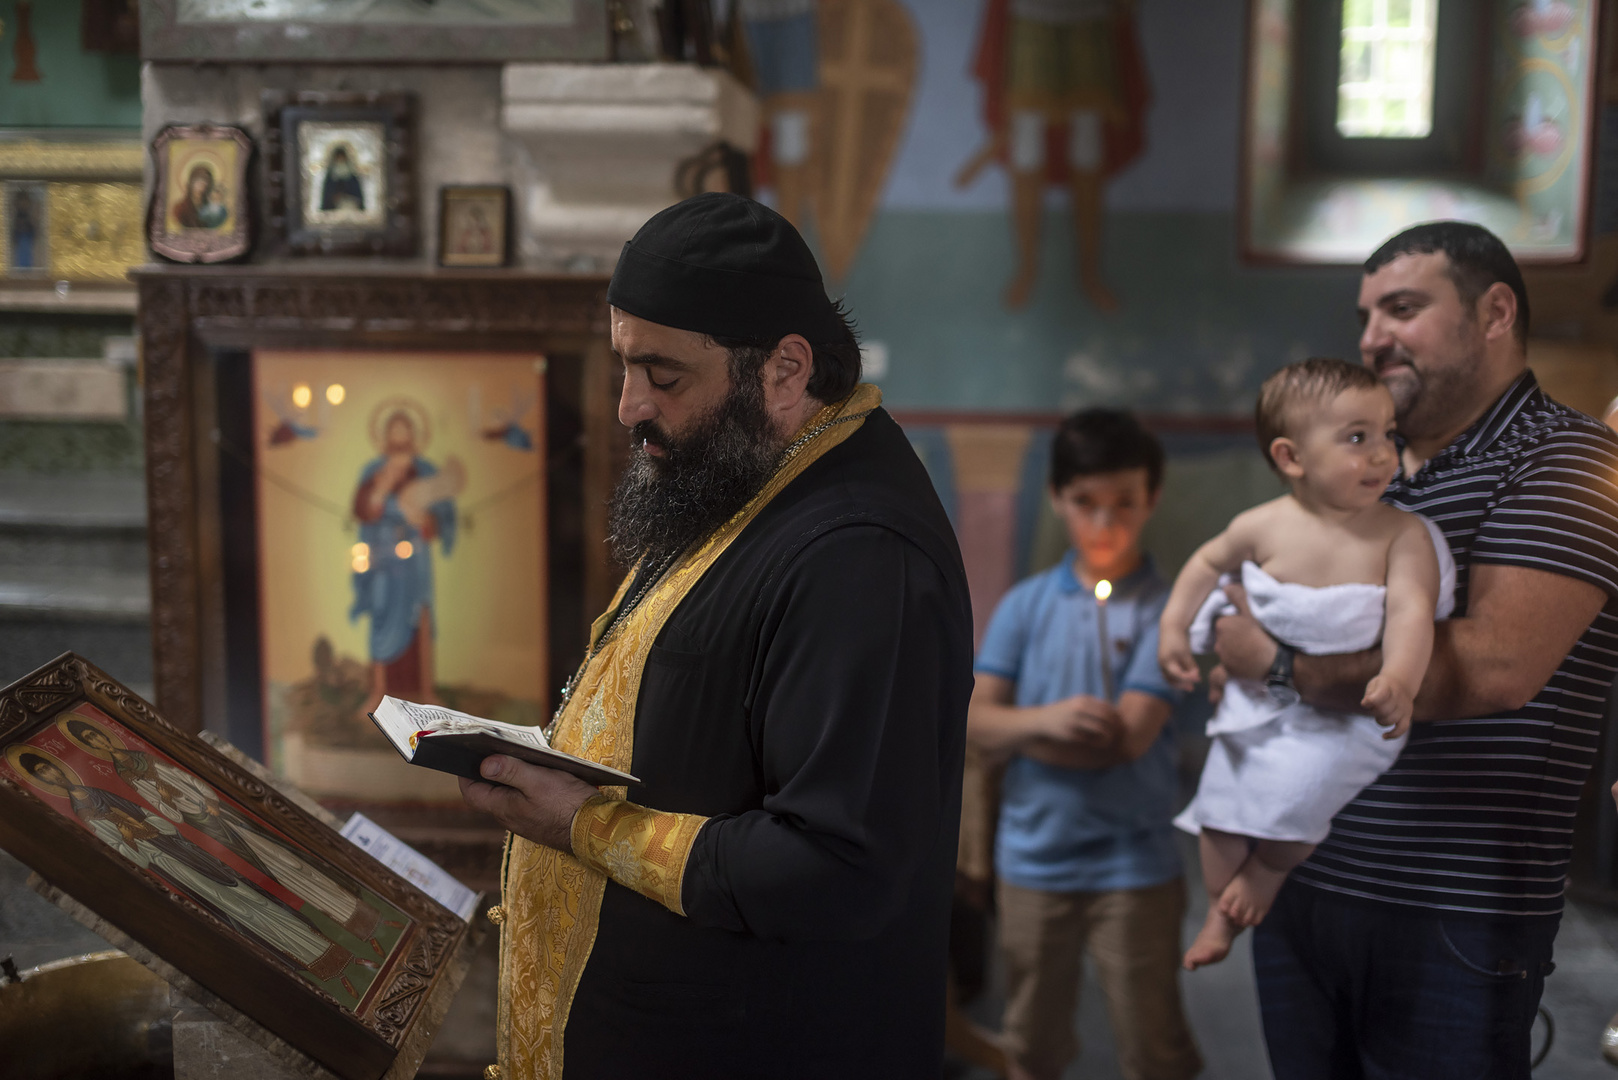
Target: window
x=1363, y=116
x=1386, y=72
x=1390, y=87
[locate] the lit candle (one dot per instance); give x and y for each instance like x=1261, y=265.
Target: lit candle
x=1103, y=591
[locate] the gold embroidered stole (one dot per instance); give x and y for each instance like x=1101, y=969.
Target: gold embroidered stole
x=552, y=901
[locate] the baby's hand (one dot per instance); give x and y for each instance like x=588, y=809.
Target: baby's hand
x=1179, y=666
x=1390, y=703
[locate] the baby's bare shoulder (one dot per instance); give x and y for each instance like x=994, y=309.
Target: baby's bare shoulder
x=1394, y=522
x=1401, y=530
x=1255, y=532
x=1264, y=515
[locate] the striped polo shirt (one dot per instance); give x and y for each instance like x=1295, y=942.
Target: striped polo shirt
x=1476, y=816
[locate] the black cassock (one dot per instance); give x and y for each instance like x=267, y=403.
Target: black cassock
x=809, y=695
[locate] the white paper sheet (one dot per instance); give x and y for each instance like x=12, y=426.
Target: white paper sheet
x=410, y=864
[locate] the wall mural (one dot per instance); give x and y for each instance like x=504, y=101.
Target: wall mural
x=1064, y=100
x=835, y=78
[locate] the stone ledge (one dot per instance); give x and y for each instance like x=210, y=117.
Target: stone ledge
x=74, y=595
x=119, y=300
x=604, y=102
x=72, y=500
x=597, y=122
x=598, y=147
x=52, y=389
x=615, y=82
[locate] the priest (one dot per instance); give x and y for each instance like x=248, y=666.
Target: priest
x=785, y=669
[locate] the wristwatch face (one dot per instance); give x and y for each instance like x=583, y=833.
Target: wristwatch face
x=1282, y=693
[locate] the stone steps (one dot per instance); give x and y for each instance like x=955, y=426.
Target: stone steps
x=74, y=594
x=73, y=574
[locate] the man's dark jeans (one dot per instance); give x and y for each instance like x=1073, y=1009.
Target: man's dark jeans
x=1356, y=990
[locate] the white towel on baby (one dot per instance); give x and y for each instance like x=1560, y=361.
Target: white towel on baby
x=1283, y=772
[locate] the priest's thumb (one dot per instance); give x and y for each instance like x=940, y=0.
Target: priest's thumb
x=493, y=767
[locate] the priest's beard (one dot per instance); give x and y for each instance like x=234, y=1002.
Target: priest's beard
x=664, y=505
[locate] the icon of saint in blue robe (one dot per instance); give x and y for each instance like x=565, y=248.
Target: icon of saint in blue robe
x=403, y=503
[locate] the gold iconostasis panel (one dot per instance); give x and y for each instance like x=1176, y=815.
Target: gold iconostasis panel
x=95, y=230
x=70, y=210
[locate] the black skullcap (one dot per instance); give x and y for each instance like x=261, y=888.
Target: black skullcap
x=724, y=265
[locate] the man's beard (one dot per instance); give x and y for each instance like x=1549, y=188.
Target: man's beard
x=1399, y=375
x=664, y=505
x=1427, y=399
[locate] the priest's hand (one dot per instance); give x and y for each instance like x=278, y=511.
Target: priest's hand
x=532, y=801
x=1245, y=648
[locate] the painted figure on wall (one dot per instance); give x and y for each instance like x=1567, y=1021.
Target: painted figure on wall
x=403, y=503
x=783, y=44
x=24, y=51
x=1064, y=98
x=341, y=189
x=836, y=78
x=155, y=844
x=182, y=797
x=203, y=205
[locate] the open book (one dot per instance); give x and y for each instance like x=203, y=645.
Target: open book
x=456, y=742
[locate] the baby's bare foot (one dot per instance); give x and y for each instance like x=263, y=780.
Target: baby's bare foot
x=1212, y=943
x=1247, y=899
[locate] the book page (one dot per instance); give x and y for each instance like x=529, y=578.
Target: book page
x=393, y=722
x=405, y=723
x=450, y=722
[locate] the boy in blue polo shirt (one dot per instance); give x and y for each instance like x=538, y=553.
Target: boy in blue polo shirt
x=1085, y=851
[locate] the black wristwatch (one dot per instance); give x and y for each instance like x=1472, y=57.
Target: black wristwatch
x=1283, y=691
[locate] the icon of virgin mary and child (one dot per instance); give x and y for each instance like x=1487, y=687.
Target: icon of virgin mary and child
x=403, y=503
x=203, y=204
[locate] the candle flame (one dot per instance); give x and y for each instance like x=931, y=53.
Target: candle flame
x=1103, y=590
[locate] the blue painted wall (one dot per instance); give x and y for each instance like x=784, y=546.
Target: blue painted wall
x=1196, y=334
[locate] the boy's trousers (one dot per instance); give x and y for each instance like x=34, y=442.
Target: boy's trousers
x=1133, y=937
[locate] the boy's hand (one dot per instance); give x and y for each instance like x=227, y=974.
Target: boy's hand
x=1179, y=666
x=1081, y=720
x=1390, y=704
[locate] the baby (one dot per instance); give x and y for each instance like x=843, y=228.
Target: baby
x=1328, y=568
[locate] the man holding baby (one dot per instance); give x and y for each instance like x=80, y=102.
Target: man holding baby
x=1415, y=941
